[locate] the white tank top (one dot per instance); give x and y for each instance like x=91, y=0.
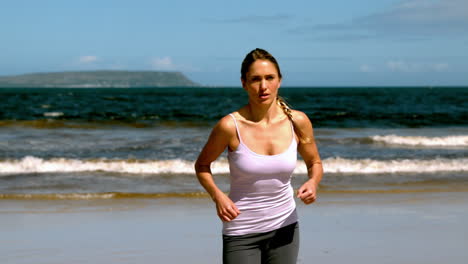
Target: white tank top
x=261, y=189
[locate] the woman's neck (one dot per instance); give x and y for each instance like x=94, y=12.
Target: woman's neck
x=263, y=113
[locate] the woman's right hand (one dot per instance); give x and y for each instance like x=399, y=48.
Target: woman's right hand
x=227, y=210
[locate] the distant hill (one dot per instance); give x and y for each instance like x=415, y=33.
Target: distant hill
x=82, y=79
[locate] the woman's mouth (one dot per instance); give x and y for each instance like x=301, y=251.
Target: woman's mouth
x=263, y=96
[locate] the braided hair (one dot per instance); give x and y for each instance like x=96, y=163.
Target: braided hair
x=261, y=54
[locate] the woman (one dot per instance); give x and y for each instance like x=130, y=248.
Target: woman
x=263, y=138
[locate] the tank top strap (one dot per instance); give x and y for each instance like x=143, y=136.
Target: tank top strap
x=237, y=128
x=292, y=131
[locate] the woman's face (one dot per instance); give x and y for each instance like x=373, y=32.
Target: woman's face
x=262, y=82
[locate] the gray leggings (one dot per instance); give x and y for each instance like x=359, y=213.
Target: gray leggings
x=280, y=246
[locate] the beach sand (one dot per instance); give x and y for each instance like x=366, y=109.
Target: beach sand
x=419, y=227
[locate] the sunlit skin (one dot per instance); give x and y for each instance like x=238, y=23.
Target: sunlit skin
x=262, y=83
x=265, y=130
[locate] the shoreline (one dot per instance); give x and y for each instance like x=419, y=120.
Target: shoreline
x=365, y=228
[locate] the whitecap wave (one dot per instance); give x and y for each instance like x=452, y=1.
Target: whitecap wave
x=448, y=141
x=369, y=166
x=53, y=114
x=31, y=164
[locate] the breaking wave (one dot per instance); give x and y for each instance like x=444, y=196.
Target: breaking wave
x=448, y=141
x=30, y=164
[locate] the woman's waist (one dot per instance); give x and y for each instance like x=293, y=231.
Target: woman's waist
x=255, y=221
x=260, y=186
x=262, y=200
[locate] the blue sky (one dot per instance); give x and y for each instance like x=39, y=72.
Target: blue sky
x=317, y=43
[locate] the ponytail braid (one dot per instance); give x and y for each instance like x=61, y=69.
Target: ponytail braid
x=304, y=139
x=285, y=107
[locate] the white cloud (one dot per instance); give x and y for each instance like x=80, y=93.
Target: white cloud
x=117, y=66
x=409, y=19
x=278, y=18
x=398, y=66
x=163, y=64
x=403, y=66
x=167, y=64
x=421, y=17
x=366, y=68
x=439, y=67
x=87, y=59
x=432, y=10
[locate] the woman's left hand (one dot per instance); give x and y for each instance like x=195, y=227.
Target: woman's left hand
x=308, y=192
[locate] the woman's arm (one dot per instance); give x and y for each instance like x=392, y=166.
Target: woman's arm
x=308, y=150
x=219, y=139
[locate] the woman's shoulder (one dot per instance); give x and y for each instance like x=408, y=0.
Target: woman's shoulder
x=300, y=117
x=226, y=124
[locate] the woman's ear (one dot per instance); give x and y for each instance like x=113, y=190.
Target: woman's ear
x=243, y=84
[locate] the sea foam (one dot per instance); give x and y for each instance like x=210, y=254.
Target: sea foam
x=337, y=165
x=448, y=141
x=53, y=114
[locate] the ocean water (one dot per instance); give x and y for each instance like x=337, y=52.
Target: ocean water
x=142, y=142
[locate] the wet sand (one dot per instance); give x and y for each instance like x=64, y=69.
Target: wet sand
x=420, y=227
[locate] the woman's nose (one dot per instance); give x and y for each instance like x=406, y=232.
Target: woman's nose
x=263, y=84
